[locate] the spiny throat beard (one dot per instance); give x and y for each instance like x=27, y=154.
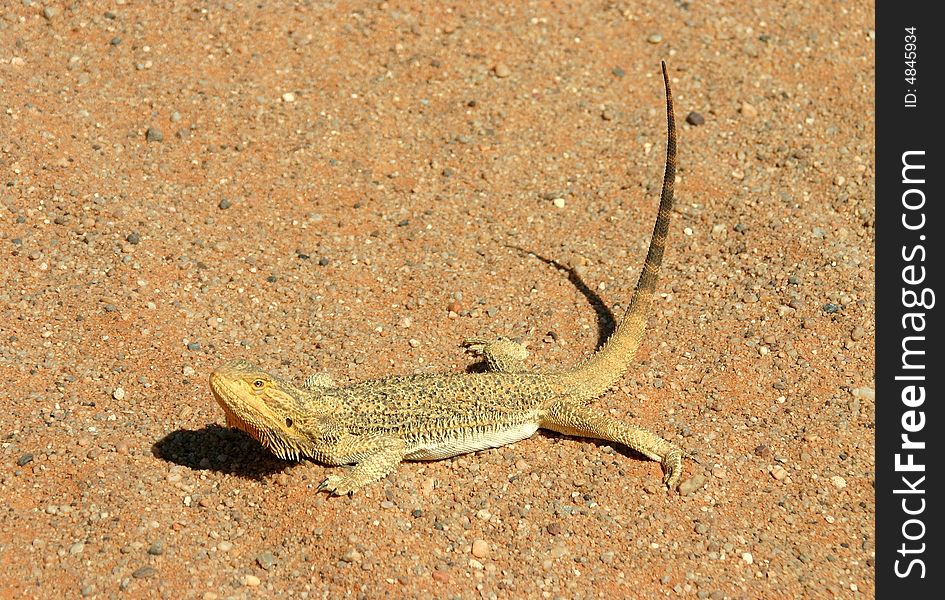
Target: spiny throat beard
x=282, y=447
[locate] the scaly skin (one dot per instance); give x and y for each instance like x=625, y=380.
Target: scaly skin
x=376, y=424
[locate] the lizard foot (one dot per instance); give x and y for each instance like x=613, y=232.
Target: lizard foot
x=337, y=485
x=672, y=467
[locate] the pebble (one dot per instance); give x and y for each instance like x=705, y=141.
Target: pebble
x=558, y=202
x=144, y=572
x=224, y=204
x=119, y=394
x=266, y=560
x=157, y=548
x=860, y=393
x=654, y=38
x=454, y=307
x=695, y=119
x=153, y=134
x=225, y=546
x=24, y=459
x=50, y=12
x=351, y=556
x=502, y=70
x=288, y=97
x=838, y=481
x=779, y=472
x=251, y=581
x=480, y=548
x=692, y=484
x=76, y=548
x=133, y=238
x=618, y=72
x=748, y=558
x=748, y=110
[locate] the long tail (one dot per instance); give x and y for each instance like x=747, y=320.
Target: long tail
x=605, y=367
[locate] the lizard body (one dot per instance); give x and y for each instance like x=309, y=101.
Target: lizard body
x=376, y=424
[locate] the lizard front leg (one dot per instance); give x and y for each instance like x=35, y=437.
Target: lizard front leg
x=502, y=354
x=373, y=457
x=573, y=419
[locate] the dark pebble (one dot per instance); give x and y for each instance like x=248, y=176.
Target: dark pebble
x=224, y=204
x=157, y=548
x=133, y=238
x=695, y=118
x=553, y=528
x=762, y=450
x=271, y=279
x=417, y=513
x=110, y=308
x=144, y=572
x=794, y=280
x=831, y=308
x=193, y=346
x=324, y=261
x=115, y=41
x=618, y=72
x=154, y=134
x=24, y=459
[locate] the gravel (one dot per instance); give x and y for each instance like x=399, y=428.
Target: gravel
x=139, y=265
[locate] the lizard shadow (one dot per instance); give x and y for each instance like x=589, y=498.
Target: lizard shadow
x=219, y=449
x=606, y=323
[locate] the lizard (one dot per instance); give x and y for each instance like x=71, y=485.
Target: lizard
x=374, y=425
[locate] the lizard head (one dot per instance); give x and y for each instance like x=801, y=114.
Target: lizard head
x=268, y=409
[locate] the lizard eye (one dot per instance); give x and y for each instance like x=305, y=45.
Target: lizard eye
x=259, y=384
x=288, y=422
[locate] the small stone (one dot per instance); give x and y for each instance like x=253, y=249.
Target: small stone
x=157, y=548
x=762, y=450
x=454, y=306
x=154, y=134
x=558, y=202
x=857, y=333
x=654, y=38
x=607, y=557
x=118, y=394
x=266, y=560
x=193, y=346
x=779, y=472
x=50, y=12
x=831, y=308
x=695, y=119
x=76, y=548
x=748, y=558
x=860, y=393
x=502, y=70
x=144, y=572
x=188, y=371
x=618, y=72
x=553, y=528
x=133, y=238
x=24, y=459
x=225, y=546
x=288, y=97
x=692, y=484
x=251, y=581
x=748, y=110
x=839, y=482
x=224, y=204
x=480, y=548
x=115, y=41
x=414, y=343
x=351, y=556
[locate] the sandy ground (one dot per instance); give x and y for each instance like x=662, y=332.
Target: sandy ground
x=355, y=188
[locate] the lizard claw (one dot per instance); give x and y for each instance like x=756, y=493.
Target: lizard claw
x=336, y=485
x=672, y=467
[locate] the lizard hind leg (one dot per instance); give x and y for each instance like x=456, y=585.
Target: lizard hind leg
x=574, y=419
x=501, y=354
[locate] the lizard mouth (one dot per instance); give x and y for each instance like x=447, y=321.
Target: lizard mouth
x=254, y=420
